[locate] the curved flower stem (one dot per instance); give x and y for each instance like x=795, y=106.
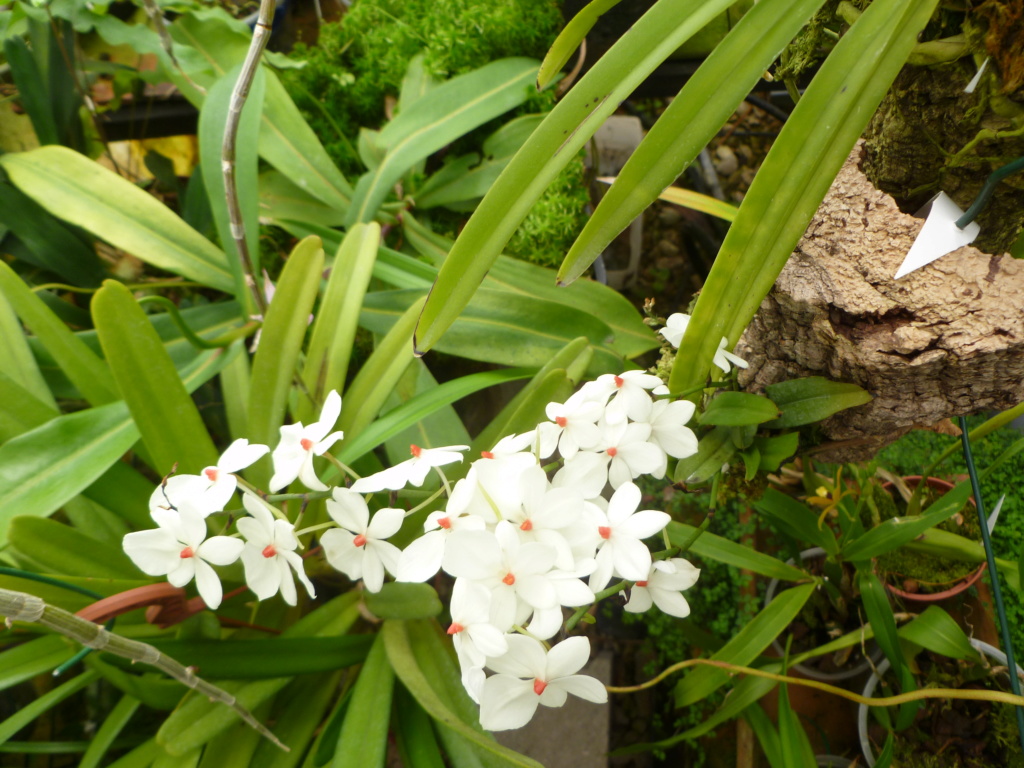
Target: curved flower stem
x=260, y=34
x=878, y=701
x=176, y=283
x=304, y=497
x=345, y=468
x=698, y=531
x=425, y=502
x=223, y=340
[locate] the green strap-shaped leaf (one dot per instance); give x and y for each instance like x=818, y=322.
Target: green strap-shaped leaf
x=453, y=109
x=275, y=365
x=45, y=467
x=796, y=520
x=113, y=724
x=363, y=741
x=80, y=364
x=808, y=400
x=299, y=711
x=555, y=142
x=689, y=123
x=198, y=719
x=32, y=91
x=739, y=409
x=715, y=449
x=713, y=547
x=84, y=193
x=54, y=547
x=21, y=411
x=937, y=631
x=570, y=37
x=282, y=200
x=167, y=419
x=521, y=332
x=412, y=645
x=334, y=329
x=744, y=647
x=212, y=119
x=399, y=600
x=52, y=245
x=631, y=336
x=794, y=746
x=795, y=176
x=31, y=658
x=44, y=703
x=286, y=140
x=420, y=407
x=17, y=362
x=766, y=734
x=414, y=732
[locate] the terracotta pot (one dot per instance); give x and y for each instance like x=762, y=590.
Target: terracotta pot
x=853, y=670
x=955, y=587
x=993, y=653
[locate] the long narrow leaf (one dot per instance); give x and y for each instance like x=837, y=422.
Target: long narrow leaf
x=453, y=109
x=795, y=176
x=689, y=123
x=284, y=329
x=334, y=330
x=79, y=363
x=44, y=703
x=45, y=467
x=172, y=429
x=363, y=741
x=82, y=192
x=555, y=142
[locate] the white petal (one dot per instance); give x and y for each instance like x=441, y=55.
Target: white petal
x=373, y=572
x=631, y=558
x=349, y=510
x=584, y=687
x=506, y=703
x=240, y=455
x=220, y=550
x=640, y=600
x=208, y=584
x=643, y=524
x=307, y=475
x=525, y=658
x=672, y=603
x=567, y=658
x=295, y=562
x=422, y=559
x=385, y=523
x=260, y=574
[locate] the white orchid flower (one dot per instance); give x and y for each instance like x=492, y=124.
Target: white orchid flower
x=211, y=490
x=411, y=471
x=293, y=456
x=630, y=395
x=269, y=555
x=662, y=586
x=358, y=549
x=723, y=357
x=573, y=426
x=422, y=558
x=474, y=636
x=675, y=327
x=510, y=701
x=622, y=530
x=180, y=550
x=668, y=430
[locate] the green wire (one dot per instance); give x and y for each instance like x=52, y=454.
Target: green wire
x=28, y=575
x=986, y=192
x=997, y=595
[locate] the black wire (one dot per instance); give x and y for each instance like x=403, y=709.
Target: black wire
x=766, y=106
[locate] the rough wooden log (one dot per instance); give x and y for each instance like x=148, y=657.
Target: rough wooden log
x=943, y=341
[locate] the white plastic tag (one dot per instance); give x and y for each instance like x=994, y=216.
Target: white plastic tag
x=939, y=235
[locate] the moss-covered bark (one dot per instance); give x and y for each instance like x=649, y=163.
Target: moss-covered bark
x=929, y=135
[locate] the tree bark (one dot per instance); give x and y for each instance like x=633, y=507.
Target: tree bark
x=946, y=340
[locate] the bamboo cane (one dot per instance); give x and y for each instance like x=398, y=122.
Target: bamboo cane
x=20, y=606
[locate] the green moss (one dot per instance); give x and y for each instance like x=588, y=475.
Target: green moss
x=361, y=59
x=556, y=220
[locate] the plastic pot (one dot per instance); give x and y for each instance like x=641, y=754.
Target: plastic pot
x=990, y=651
x=956, y=587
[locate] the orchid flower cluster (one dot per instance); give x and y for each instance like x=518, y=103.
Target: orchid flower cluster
x=526, y=533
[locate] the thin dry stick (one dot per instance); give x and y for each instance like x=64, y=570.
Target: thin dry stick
x=20, y=606
x=260, y=34
x=157, y=18
x=879, y=701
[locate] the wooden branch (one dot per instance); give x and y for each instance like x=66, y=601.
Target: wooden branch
x=20, y=606
x=260, y=35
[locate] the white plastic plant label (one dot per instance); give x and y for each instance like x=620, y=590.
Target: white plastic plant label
x=939, y=236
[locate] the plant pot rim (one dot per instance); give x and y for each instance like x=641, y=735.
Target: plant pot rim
x=869, y=689
x=957, y=587
x=828, y=677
